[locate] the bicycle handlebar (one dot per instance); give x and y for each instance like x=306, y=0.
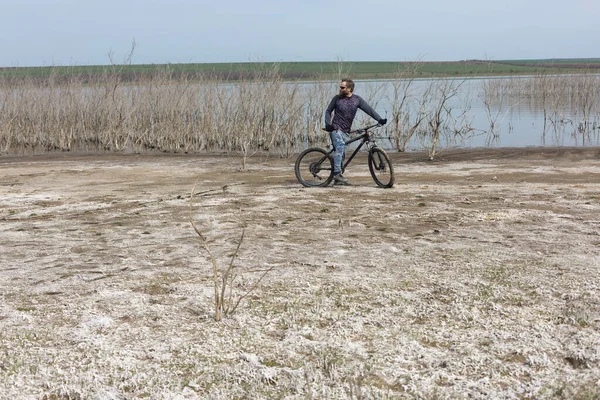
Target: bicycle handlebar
x=366, y=128
x=362, y=130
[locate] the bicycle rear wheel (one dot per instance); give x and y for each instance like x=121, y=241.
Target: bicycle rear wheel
x=381, y=168
x=314, y=167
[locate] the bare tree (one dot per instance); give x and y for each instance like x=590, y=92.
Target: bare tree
x=446, y=90
x=118, y=102
x=414, y=118
x=402, y=94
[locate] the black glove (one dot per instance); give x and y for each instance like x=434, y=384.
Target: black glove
x=383, y=121
x=329, y=128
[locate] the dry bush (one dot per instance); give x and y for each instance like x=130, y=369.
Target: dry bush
x=162, y=112
x=173, y=112
x=435, y=114
x=260, y=112
x=224, y=278
x=400, y=98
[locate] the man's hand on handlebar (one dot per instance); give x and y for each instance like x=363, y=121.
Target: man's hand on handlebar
x=382, y=121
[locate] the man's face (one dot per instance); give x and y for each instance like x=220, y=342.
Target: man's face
x=344, y=91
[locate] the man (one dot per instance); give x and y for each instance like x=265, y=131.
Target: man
x=345, y=106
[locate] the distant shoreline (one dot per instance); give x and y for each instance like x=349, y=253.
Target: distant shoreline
x=313, y=70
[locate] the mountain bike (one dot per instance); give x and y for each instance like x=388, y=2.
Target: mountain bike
x=314, y=166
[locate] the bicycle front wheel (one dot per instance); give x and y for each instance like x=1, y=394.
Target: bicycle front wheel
x=381, y=168
x=314, y=167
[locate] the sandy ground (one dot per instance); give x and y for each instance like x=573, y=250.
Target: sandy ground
x=475, y=276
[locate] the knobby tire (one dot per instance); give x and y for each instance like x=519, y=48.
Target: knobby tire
x=314, y=167
x=381, y=168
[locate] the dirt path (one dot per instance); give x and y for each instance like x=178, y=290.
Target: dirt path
x=475, y=275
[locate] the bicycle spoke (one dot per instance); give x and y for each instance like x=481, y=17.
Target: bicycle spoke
x=381, y=168
x=314, y=167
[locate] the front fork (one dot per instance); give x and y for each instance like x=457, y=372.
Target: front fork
x=378, y=163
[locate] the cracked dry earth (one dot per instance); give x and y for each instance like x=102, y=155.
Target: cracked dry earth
x=475, y=276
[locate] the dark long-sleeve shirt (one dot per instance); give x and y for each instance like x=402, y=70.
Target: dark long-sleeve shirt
x=345, y=110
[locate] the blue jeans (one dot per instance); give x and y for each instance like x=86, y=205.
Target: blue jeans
x=338, y=139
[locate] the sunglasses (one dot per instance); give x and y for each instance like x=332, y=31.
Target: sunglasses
x=342, y=87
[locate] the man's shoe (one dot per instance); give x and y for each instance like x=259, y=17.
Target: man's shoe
x=341, y=183
x=340, y=179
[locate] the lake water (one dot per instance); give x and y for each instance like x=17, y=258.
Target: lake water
x=518, y=121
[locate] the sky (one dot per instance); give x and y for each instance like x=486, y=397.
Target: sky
x=90, y=32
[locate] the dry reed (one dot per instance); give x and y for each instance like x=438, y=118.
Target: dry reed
x=569, y=102
x=164, y=112
x=171, y=112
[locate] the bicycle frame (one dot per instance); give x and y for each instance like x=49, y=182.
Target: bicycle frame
x=365, y=137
